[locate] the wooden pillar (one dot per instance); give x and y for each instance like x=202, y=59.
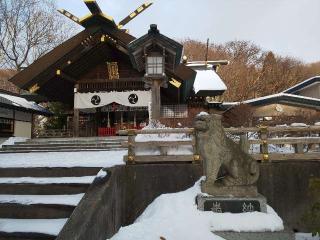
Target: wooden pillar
x=98, y=120
x=134, y=119
x=155, y=99
x=33, y=119
x=76, y=114
x=244, y=143
x=264, y=143
x=108, y=122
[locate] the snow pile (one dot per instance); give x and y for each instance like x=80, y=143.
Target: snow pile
x=13, y=140
x=203, y=114
x=175, y=216
x=62, y=159
x=299, y=125
x=101, y=174
x=317, y=123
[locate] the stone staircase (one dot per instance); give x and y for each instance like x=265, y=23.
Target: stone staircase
x=65, y=144
x=36, y=202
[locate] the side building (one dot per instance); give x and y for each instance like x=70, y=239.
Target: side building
x=17, y=114
x=300, y=103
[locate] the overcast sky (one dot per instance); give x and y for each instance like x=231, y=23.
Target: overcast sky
x=287, y=27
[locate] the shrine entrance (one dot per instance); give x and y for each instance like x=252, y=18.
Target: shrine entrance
x=108, y=120
x=105, y=113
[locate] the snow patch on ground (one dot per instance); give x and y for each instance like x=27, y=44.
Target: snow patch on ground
x=45, y=226
x=306, y=236
x=71, y=200
x=62, y=159
x=13, y=140
x=175, y=216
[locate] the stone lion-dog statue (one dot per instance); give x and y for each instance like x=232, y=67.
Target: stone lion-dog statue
x=221, y=155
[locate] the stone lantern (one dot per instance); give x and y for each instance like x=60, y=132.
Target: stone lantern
x=155, y=54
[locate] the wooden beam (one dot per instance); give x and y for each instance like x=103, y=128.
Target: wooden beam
x=157, y=159
x=93, y=6
x=274, y=129
x=158, y=131
x=65, y=76
x=289, y=156
x=289, y=140
x=69, y=15
x=134, y=14
x=160, y=143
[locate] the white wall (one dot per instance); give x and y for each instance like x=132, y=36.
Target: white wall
x=22, y=129
x=312, y=91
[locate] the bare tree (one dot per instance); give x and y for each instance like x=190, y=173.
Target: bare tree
x=28, y=29
x=252, y=72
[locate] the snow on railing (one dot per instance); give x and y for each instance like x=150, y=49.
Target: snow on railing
x=295, y=142
x=161, y=145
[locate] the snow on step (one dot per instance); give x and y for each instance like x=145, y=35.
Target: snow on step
x=62, y=159
x=71, y=200
x=44, y=226
x=50, y=180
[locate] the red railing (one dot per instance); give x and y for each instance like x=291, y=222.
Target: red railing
x=106, y=132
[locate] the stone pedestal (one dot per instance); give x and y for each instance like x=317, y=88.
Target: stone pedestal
x=231, y=191
x=231, y=204
x=283, y=235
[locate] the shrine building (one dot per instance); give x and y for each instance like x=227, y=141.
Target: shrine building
x=112, y=80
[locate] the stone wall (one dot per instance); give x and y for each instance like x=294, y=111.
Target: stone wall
x=120, y=198
x=286, y=186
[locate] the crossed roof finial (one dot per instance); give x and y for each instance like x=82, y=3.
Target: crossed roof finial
x=98, y=17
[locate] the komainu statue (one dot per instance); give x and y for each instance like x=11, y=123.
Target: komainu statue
x=229, y=170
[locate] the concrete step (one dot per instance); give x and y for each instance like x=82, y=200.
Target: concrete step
x=49, y=172
x=25, y=236
x=69, y=199
x=30, y=229
x=35, y=211
x=49, y=146
x=43, y=189
x=102, y=144
x=33, y=150
x=75, y=140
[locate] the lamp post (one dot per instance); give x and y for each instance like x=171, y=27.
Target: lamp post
x=155, y=78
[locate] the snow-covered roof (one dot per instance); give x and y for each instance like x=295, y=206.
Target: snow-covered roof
x=279, y=97
x=22, y=104
x=284, y=96
x=207, y=79
x=302, y=85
